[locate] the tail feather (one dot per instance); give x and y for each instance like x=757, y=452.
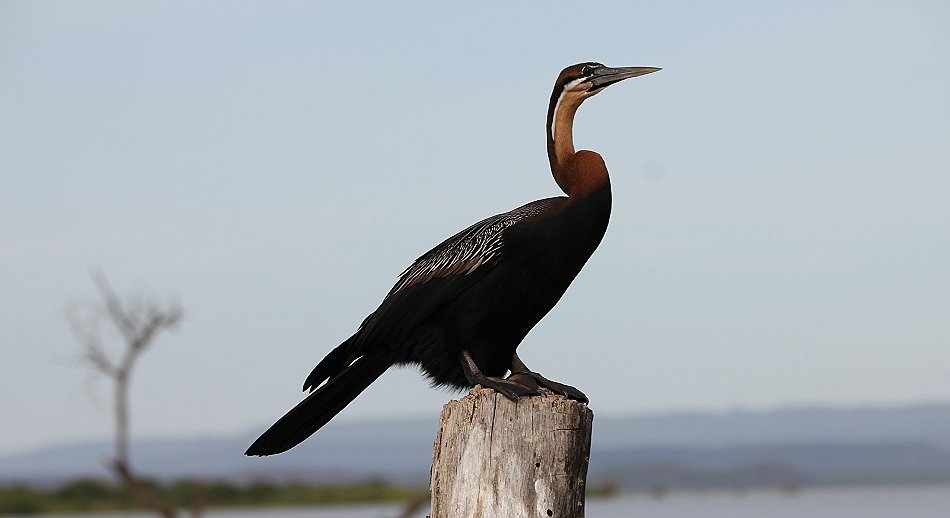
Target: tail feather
x=331, y=365
x=320, y=406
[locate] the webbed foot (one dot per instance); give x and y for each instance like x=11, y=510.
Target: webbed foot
x=512, y=387
x=512, y=390
x=518, y=368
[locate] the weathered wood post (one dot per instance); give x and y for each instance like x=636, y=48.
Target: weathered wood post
x=495, y=458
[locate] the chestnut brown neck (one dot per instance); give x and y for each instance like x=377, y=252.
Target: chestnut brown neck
x=577, y=173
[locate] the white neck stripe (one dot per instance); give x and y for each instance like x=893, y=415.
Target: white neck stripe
x=557, y=105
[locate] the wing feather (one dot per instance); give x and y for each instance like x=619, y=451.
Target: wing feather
x=470, y=249
x=438, y=276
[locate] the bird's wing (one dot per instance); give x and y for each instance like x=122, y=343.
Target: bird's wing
x=477, y=246
x=441, y=274
x=433, y=280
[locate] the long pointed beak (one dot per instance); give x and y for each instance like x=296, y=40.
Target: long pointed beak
x=606, y=76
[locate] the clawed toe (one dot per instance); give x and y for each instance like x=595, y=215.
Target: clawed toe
x=519, y=368
x=522, y=381
x=511, y=389
x=559, y=388
x=525, y=380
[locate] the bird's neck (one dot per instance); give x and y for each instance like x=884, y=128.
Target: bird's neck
x=576, y=173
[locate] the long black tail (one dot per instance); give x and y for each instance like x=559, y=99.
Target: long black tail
x=319, y=407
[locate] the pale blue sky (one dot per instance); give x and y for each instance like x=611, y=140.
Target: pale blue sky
x=781, y=230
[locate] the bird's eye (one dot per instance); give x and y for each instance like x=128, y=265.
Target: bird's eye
x=586, y=70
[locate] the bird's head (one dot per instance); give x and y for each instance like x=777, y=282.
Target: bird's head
x=578, y=82
x=575, y=84
x=587, y=79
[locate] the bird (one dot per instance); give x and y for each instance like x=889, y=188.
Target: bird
x=460, y=310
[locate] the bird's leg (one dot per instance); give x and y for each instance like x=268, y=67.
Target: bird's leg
x=511, y=389
x=520, y=371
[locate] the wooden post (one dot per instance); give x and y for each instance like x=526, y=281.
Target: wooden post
x=498, y=458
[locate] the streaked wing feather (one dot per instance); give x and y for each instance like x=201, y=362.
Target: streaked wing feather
x=470, y=249
x=431, y=281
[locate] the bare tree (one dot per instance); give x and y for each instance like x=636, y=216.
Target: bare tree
x=138, y=322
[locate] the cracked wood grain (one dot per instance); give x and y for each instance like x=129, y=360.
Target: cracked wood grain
x=497, y=458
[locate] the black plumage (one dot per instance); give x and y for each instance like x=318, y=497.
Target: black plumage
x=461, y=309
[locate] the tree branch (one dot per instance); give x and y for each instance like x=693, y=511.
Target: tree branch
x=138, y=324
x=117, y=314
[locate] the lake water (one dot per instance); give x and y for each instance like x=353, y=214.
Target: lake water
x=859, y=502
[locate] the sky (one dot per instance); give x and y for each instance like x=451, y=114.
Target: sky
x=780, y=233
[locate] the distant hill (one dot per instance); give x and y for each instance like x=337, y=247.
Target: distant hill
x=788, y=447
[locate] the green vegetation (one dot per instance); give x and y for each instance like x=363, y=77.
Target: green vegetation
x=89, y=495
x=94, y=495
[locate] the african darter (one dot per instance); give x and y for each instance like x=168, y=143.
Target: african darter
x=460, y=310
